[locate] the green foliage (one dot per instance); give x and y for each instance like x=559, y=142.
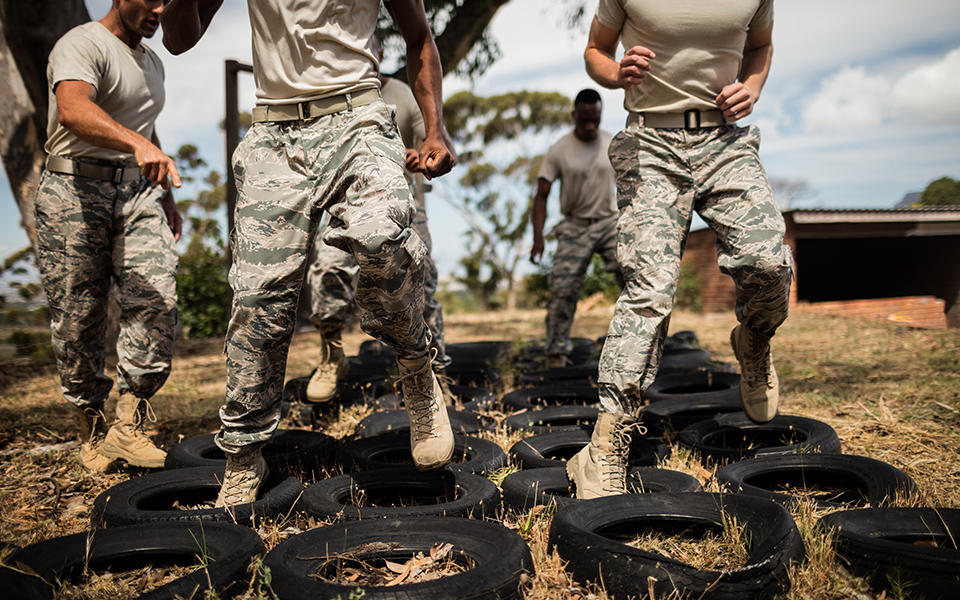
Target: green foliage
x=34, y=344
x=689, y=295
x=598, y=279
x=941, y=192
x=470, y=117
x=203, y=293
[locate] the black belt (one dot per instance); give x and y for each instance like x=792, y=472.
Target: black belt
x=105, y=171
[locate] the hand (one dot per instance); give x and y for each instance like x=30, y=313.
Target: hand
x=436, y=155
x=736, y=101
x=156, y=166
x=412, y=160
x=174, y=220
x=634, y=66
x=537, y=251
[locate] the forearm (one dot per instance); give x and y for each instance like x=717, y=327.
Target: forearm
x=91, y=124
x=755, y=67
x=426, y=75
x=538, y=214
x=185, y=22
x=602, y=67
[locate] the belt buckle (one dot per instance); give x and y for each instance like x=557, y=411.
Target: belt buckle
x=691, y=119
x=117, y=176
x=300, y=112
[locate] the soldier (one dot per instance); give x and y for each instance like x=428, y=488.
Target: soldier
x=331, y=277
x=323, y=140
x=690, y=70
x=105, y=213
x=588, y=203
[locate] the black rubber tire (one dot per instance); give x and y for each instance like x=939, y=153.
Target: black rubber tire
x=878, y=543
x=522, y=490
x=470, y=454
x=680, y=360
x=488, y=351
x=404, y=493
x=585, y=534
x=387, y=421
x=474, y=373
x=470, y=398
x=554, y=448
x=685, y=336
x=669, y=418
x=696, y=386
x=584, y=351
x=349, y=390
x=150, y=498
x=553, y=418
x=228, y=547
x=585, y=374
x=734, y=437
x=292, y=451
x=859, y=480
x=551, y=395
x=500, y=558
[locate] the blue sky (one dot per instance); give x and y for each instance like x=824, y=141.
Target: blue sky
x=863, y=100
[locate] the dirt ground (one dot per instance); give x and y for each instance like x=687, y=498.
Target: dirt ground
x=891, y=392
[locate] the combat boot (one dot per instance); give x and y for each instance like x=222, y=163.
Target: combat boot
x=333, y=365
x=759, y=386
x=600, y=468
x=93, y=429
x=445, y=381
x=242, y=478
x=431, y=437
x=126, y=439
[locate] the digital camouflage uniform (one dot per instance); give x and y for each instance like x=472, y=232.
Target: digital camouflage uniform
x=663, y=175
x=90, y=231
x=350, y=164
x=577, y=241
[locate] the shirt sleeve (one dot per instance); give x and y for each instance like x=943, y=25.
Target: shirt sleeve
x=763, y=19
x=75, y=57
x=549, y=169
x=611, y=14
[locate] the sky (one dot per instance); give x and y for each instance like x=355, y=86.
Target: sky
x=862, y=103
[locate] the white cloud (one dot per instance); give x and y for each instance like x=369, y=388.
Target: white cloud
x=930, y=93
x=848, y=100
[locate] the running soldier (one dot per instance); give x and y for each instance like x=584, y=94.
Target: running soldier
x=332, y=275
x=105, y=214
x=323, y=140
x=588, y=202
x=690, y=70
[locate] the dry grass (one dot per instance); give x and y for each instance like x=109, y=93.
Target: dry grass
x=891, y=392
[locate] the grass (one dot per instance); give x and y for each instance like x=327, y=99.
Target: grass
x=891, y=392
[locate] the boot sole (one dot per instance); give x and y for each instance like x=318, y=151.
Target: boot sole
x=116, y=454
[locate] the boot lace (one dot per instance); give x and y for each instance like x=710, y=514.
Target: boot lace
x=759, y=359
x=420, y=403
x=614, y=464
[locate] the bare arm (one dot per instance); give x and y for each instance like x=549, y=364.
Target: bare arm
x=174, y=220
x=185, y=21
x=538, y=216
x=78, y=112
x=604, y=68
x=423, y=65
x=738, y=99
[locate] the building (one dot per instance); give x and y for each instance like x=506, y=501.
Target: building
x=900, y=264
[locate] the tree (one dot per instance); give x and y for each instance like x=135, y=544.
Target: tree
x=789, y=191
x=496, y=205
x=28, y=31
x=940, y=192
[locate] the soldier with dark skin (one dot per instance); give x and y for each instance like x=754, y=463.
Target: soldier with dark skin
x=323, y=141
x=588, y=204
x=105, y=215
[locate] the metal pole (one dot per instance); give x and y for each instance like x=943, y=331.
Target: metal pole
x=231, y=125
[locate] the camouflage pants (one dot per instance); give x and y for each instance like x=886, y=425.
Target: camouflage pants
x=663, y=175
x=332, y=283
x=577, y=241
x=90, y=232
x=349, y=164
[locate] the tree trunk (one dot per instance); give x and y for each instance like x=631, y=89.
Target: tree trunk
x=28, y=31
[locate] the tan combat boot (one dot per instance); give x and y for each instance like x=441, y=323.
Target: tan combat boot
x=600, y=469
x=126, y=439
x=333, y=365
x=431, y=437
x=759, y=386
x=242, y=478
x=445, y=381
x=93, y=428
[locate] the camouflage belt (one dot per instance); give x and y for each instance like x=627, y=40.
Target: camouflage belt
x=311, y=109
x=691, y=119
x=106, y=171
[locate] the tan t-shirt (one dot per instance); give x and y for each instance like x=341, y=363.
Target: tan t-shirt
x=698, y=43
x=309, y=50
x=588, y=189
x=410, y=124
x=129, y=85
